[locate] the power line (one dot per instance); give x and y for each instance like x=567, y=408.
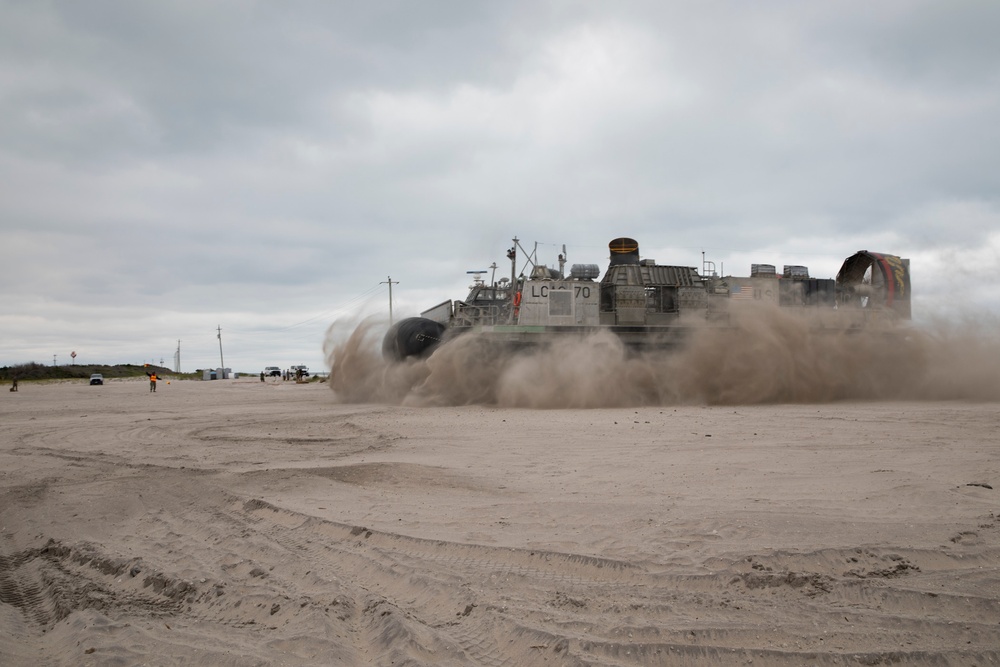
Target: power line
x=349, y=303
x=264, y=331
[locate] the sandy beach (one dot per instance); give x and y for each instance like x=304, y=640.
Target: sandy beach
x=248, y=523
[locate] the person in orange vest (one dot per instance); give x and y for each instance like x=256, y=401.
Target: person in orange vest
x=152, y=380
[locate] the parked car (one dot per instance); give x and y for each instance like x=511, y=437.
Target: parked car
x=303, y=368
x=96, y=378
x=272, y=371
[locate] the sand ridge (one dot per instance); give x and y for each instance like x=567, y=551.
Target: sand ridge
x=241, y=523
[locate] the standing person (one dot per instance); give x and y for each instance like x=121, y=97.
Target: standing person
x=152, y=380
x=262, y=376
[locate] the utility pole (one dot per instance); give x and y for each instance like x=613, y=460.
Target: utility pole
x=389, y=281
x=222, y=362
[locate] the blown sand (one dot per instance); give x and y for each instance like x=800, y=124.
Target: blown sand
x=419, y=515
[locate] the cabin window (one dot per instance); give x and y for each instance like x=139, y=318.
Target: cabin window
x=661, y=299
x=653, y=302
x=607, y=298
x=483, y=295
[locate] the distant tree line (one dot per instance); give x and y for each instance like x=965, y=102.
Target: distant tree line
x=36, y=371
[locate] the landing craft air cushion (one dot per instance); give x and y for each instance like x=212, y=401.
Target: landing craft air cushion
x=647, y=304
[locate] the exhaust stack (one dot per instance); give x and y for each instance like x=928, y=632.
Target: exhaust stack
x=624, y=251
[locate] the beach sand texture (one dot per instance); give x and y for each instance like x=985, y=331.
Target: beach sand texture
x=248, y=523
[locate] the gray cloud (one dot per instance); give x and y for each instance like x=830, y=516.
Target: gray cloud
x=168, y=166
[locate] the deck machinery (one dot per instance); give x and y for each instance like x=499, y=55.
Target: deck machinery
x=648, y=304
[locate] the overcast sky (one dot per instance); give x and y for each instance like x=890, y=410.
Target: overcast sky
x=167, y=168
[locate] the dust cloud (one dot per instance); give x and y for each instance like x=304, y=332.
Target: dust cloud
x=770, y=357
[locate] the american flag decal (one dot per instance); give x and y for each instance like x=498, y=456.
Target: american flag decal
x=743, y=292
